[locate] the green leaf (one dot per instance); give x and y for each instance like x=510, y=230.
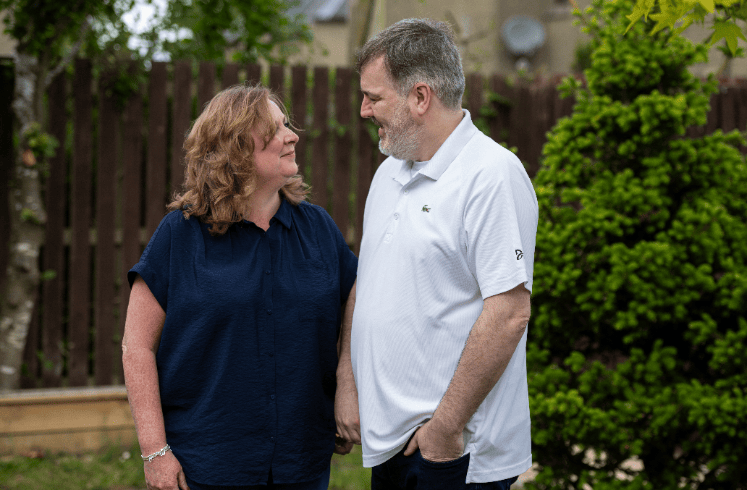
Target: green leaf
x=729, y=32
x=707, y=4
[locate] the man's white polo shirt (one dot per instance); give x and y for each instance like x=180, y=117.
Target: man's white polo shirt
x=434, y=246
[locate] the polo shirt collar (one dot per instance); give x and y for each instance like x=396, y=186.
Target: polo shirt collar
x=446, y=154
x=284, y=213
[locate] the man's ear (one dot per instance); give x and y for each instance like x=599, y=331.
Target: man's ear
x=422, y=97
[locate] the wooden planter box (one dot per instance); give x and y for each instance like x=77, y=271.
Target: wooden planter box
x=70, y=420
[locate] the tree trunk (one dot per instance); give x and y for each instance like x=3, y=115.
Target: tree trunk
x=27, y=218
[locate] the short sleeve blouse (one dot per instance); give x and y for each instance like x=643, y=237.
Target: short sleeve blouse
x=247, y=357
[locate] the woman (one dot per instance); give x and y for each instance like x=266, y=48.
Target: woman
x=229, y=348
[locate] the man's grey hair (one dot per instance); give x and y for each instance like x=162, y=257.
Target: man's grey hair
x=419, y=50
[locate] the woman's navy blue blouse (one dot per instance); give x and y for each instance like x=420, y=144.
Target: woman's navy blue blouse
x=247, y=358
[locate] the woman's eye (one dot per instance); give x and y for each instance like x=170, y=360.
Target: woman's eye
x=287, y=124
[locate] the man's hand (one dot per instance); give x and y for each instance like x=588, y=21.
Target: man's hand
x=346, y=413
x=436, y=443
x=165, y=473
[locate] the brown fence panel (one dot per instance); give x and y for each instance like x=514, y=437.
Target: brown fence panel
x=343, y=149
x=205, y=85
x=52, y=292
x=79, y=283
x=253, y=73
x=367, y=155
x=501, y=122
x=320, y=147
x=181, y=119
x=298, y=112
x=132, y=163
x=230, y=75
x=714, y=115
x=105, y=280
x=521, y=120
x=474, y=94
x=156, y=167
x=741, y=104
x=277, y=80
x=520, y=116
x=728, y=109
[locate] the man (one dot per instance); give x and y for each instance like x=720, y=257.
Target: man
x=438, y=343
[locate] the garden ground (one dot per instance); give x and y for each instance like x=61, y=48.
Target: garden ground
x=115, y=469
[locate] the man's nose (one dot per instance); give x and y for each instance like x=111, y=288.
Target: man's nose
x=366, y=110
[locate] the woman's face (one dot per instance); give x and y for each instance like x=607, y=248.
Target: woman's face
x=276, y=162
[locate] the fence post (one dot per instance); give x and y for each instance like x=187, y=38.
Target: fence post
x=54, y=248
x=106, y=208
x=298, y=112
x=79, y=283
x=181, y=119
x=156, y=167
x=131, y=186
x=319, y=156
x=343, y=147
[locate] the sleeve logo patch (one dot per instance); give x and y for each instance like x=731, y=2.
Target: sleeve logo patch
x=519, y=255
x=426, y=209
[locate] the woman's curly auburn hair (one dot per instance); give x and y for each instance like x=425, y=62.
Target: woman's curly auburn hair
x=220, y=174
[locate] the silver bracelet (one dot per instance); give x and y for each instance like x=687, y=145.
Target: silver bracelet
x=156, y=454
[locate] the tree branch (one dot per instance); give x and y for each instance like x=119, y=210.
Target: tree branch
x=68, y=58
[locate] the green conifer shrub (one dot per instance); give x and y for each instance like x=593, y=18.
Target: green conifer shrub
x=638, y=340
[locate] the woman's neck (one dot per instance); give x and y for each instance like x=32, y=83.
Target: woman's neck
x=261, y=207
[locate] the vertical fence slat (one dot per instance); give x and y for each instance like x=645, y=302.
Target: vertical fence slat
x=500, y=124
x=521, y=121
x=728, y=109
x=714, y=115
x=79, y=284
x=30, y=359
x=343, y=147
x=474, y=94
x=366, y=159
x=132, y=164
x=277, y=80
x=319, y=156
x=106, y=191
x=741, y=103
x=298, y=112
x=182, y=115
x=230, y=75
x=155, y=170
x=253, y=73
x=205, y=84
x=52, y=295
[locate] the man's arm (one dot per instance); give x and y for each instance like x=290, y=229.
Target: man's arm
x=490, y=345
x=346, y=397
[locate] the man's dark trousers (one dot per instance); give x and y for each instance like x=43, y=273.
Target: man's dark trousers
x=416, y=473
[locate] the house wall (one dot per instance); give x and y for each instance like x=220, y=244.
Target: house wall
x=7, y=44
x=478, y=24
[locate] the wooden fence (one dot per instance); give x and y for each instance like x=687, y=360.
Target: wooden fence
x=108, y=185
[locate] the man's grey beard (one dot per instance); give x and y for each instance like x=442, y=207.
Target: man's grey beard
x=402, y=137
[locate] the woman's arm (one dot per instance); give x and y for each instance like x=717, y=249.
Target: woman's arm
x=346, y=398
x=145, y=319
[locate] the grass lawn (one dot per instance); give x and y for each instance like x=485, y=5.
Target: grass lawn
x=115, y=469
